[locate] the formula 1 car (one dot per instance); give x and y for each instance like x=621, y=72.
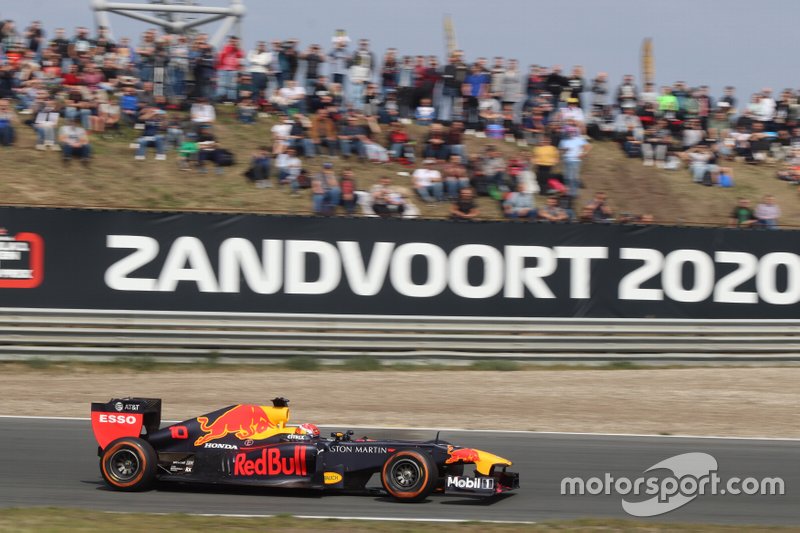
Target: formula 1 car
x=254, y=445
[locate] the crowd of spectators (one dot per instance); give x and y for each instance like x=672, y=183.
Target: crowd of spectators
x=341, y=101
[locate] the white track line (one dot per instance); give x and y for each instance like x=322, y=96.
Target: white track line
x=463, y=430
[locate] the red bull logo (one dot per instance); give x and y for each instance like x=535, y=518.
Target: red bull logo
x=244, y=421
x=462, y=455
x=271, y=463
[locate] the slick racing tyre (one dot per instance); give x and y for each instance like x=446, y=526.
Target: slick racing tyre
x=129, y=464
x=409, y=476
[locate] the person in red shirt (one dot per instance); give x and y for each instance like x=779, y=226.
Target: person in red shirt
x=348, y=187
x=229, y=63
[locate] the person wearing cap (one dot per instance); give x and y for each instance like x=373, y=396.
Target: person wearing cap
x=574, y=113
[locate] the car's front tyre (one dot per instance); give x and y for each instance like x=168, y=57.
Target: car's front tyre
x=129, y=464
x=409, y=475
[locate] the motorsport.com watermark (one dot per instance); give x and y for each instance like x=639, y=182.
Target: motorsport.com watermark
x=693, y=474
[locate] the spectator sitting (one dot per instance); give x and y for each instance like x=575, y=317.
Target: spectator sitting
x=153, y=133
x=386, y=201
x=656, y=144
x=129, y=106
x=742, y=216
x=323, y=132
x=348, y=190
x=455, y=177
x=45, y=125
x=425, y=113
x=400, y=146
x=519, y=204
x=74, y=142
x=202, y=112
x=209, y=149
x=246, y=110
x=259, y=168
x=464, y=207
x=552, y=212
x=300, y=136
x=428, y=182
x=350, y=134
x=598, y=209
x=494, y=167
x=326, y=194
x=701, y=160
x=188, y=151
x=436, y=144
x=768, y=212
x=455, y=139
x=289, y=168
x=7, y=120
x=629, y=132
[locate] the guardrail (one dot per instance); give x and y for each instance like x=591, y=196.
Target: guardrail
x=254, y=337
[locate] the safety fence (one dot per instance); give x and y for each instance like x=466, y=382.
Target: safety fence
x=267, y=337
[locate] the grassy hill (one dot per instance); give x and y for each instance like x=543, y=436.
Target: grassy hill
x=115, y=180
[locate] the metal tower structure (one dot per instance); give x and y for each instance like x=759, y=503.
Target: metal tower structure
x=175, y=16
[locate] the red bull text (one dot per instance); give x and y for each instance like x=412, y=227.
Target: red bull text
x=271, y=463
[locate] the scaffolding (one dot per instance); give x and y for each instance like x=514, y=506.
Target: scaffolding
x=180, y=17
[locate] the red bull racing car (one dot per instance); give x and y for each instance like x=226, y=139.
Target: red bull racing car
x=254, y=445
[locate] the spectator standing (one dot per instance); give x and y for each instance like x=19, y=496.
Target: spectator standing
x=453, y=76
x=259, y=59
x=228, y=65
x=314, y=58
x=574, y=149
x=768, y=212
x=361, y=65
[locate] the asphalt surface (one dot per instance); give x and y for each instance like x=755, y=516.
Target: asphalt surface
x=54, y=463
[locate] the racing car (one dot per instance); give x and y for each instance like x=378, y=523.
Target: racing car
x=250, y=444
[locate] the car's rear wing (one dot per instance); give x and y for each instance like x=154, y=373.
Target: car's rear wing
x=124, y=417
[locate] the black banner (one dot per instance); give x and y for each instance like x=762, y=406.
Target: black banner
x=81, y=259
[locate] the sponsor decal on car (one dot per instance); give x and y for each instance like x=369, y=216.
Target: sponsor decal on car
x=118, y=419
x=461, y=455
x=244, y=421
x=292, y=436
x=220, y=446
x=351, y=448
x=469, y=483
x=271, y=463
x=332, y=478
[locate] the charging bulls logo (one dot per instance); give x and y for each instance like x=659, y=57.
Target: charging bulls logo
x=461, y=455
x=21, y=260
x=244, y=421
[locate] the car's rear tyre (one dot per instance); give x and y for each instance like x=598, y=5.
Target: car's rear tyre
x=409, y=475
x=129, y=464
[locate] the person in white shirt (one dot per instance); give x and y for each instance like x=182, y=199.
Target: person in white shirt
x=428, y=182
x=260, y=60
x=768, y=212
x=203, y=112
x=291, y=96
x=766, y=108
x=45, y=125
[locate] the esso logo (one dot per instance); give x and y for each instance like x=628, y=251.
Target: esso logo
x=118, y=419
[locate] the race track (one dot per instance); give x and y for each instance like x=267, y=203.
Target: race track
x=54, y=463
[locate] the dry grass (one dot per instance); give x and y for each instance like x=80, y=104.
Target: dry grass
x=115, y=180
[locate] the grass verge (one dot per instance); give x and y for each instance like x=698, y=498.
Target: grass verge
x=29, y=520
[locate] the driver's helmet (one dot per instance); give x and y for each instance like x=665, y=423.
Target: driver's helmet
x=307, y=429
